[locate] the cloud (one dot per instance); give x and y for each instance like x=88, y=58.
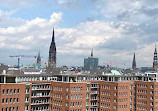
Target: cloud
x=20, y=3
x=69, y=3
x=28, y=32
x=129, y=26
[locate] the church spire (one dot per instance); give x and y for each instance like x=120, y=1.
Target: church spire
x=92, y=52
x=38, y=64
x=53, y=36
x=155, y=60
x=52, y=52
x=134, y=62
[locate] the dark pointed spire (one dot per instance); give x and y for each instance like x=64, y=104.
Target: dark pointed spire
x=53, y=36
x=92, y=52
x=155, y=60
x=134, y=62
x=52, y=52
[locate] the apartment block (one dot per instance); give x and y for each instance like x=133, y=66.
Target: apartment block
x=114, y=96
x=146, y=96
x=12, y=97
x=79, y=96
x=68, y=96
x=40, y=96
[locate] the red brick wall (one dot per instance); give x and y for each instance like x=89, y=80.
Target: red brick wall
x=20, y=96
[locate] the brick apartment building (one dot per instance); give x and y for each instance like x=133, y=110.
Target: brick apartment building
x=12, y=97
x=94, y=95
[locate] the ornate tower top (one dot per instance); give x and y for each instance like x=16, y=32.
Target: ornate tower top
x=155, y=60
x=134, y=63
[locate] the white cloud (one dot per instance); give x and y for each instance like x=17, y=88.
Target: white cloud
x=126, y=31
x=29, y=32
x=20, y=3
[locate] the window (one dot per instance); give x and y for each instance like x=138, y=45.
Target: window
x=2, y=101
x=67, y=89
x=14, y=100
x=67, y=97
x=7, y=91
x=27, y=91
x=74, y=89
x=10, y=108
x=17, y=100
x=2, y=109
x=71, y=89
x=10, y=100
x=27, y=99
x=13, y=108
x=6, y=109
x=17, y=109
x=6, y=100
x=18, y=91
x=14, y=91
x=3, y=91
x=10, y=91
x=115, y=87
x=66, y=104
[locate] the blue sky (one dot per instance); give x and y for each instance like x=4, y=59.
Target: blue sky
x=116, y=29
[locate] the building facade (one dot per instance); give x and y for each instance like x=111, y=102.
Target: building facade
x=12, y=97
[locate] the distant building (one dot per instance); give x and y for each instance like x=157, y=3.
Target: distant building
x=90, y=62
x=38, y=64
x=155, y=60
x=52, y=53
x=134, y=63
x=3, y=68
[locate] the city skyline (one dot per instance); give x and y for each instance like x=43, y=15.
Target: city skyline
x=115, y=31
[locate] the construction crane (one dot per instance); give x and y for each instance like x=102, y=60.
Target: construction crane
x=111, y=63
x=21, y=56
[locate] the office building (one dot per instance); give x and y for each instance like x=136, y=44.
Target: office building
x=90, y=62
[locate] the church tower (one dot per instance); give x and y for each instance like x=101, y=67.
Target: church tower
x=155, y=60
x=52, y=53
x=134, y=63
x=38, y=64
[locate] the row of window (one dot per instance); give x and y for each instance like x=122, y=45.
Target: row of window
x=142, y=102
x=142, y=108
x=105, y=99
x=76, y=104
x=56, y=102
x=39, y=87
x=75, y=97
x=123, y=94
x=105, y=105
x=57, y=109
x=142, y=97
x=10, y=100
x=58, y=88
x=142, y=85
x=142, y=91
x=105, y=87
x=105, y=93
x=11, y=91
x=10, y=109
x=76, y=89
x=56, y=95
x=122, y=106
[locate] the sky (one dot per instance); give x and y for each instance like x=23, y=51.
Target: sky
x=114, y=28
